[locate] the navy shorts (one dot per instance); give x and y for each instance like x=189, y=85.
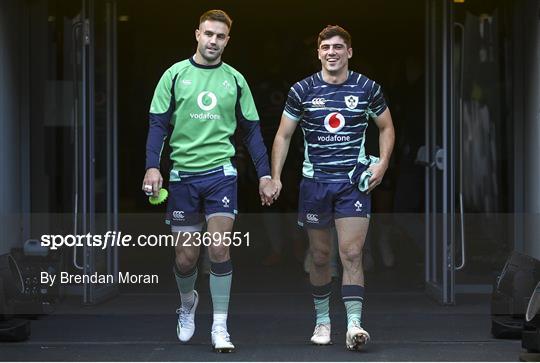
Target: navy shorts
x=321, y=203
x=194, y=198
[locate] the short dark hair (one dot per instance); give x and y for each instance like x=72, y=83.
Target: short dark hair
x=216, y=15
x=333, y=30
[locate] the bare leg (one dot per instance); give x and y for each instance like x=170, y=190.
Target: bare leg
x=319, y=248
x=352, y=233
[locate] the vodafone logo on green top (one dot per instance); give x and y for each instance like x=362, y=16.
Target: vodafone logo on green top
x=206, y=100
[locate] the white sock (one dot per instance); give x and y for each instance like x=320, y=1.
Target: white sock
x=220, y=320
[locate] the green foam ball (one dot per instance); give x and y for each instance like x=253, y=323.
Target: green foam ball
x=162, y=196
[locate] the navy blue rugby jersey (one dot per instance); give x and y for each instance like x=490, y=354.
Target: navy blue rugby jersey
x=334, y=119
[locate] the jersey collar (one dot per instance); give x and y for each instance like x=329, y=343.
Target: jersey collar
x=321, y=79
x=195, y=64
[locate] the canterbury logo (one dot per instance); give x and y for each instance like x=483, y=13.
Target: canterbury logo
x=318, y=102
x=178, y=215
x=312, y=217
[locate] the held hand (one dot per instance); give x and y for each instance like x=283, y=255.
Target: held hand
x=278, y=186
x=265, y=191
x=152, y=182
x=269, y=190
x=378, y=171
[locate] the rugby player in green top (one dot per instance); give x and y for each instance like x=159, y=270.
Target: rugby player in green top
x=202, y=100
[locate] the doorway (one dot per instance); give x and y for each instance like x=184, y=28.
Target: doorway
x=73, y=133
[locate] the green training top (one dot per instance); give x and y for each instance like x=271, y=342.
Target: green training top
x=203, y=104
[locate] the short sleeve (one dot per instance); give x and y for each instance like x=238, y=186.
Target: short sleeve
x=293, y=106
x=377, y=103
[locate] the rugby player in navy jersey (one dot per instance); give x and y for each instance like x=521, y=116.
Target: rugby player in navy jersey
x=333, y=107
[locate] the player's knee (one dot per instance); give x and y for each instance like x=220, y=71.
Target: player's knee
x=185, y=262
x=321, y=258
x=351, y=254
x=218, y=253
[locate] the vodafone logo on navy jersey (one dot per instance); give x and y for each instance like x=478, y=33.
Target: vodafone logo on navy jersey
x=334, y=122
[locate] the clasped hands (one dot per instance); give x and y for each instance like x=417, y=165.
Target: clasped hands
x=269, y=190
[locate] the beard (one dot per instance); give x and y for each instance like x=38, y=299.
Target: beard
x=210, y=57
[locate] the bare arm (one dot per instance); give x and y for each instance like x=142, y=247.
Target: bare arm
x=281, y=145
x=386, y=145
x=279, y=152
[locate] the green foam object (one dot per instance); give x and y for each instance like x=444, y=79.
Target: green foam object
x=162, y=196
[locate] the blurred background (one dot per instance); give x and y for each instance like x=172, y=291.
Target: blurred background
x=460, y=78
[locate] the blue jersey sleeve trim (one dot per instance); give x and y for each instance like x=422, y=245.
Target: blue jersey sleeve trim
x=377, y=104
x=292, y=117
x=379, y=112
x=293, y=105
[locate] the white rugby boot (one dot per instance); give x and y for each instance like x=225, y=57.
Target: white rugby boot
x=221, y=341
x=321, y=334
x=186, y=320
x=356, y=336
